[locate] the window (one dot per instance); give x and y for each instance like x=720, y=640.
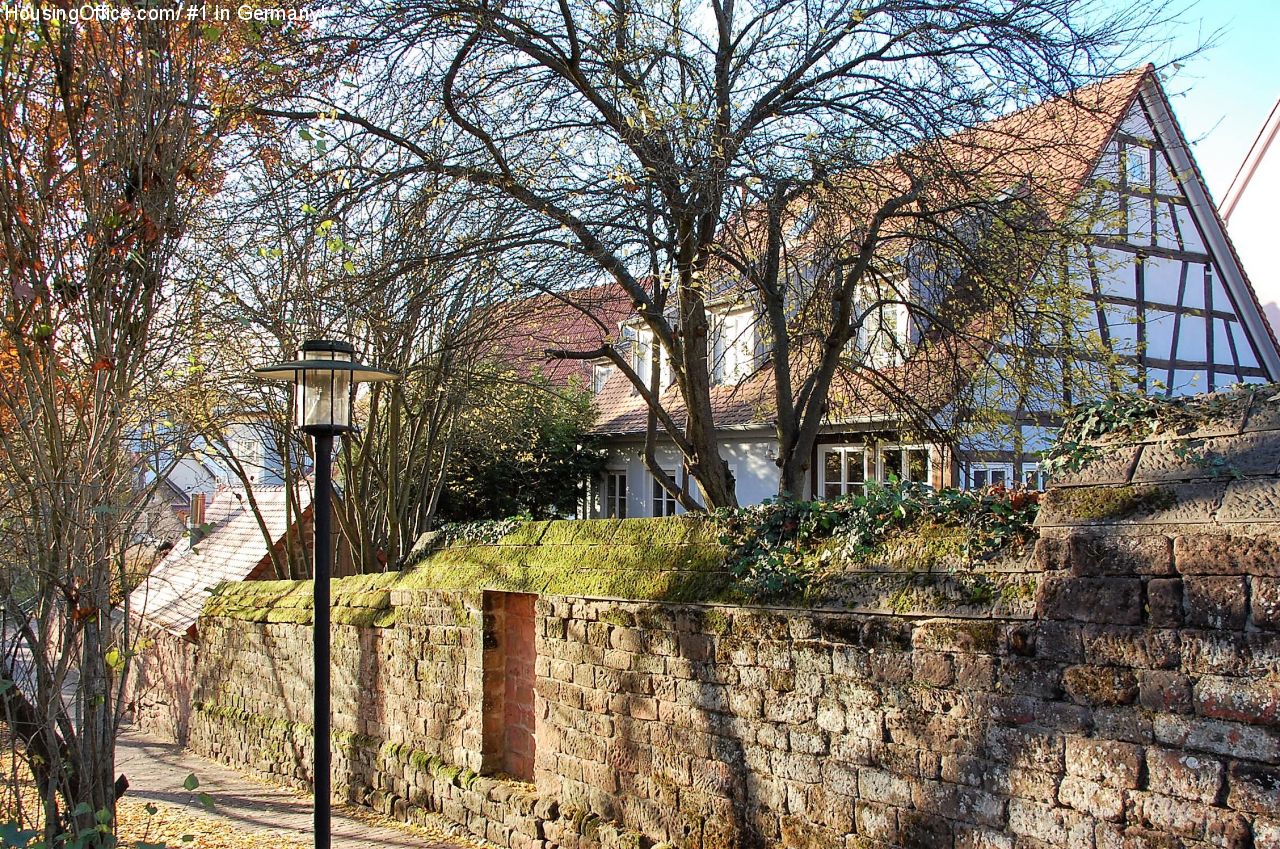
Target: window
x=733, y=345
x=642, y=342
x=600, y=374
x=990, y=474
x=1032, y=477
x=881, y=337
x=845, y=469
x=664, y=503
x=615, y=495
x=904, y=464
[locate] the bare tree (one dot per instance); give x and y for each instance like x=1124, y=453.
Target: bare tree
x=104, y=163
x=636, y=136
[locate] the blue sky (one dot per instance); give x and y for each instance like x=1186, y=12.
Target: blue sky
x=1222, y=96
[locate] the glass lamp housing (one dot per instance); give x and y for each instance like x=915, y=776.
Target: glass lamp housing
x=324, y=379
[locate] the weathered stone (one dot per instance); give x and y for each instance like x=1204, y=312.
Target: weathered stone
x=1213, y=457
x=1164, y=602
x=1114, y=465
x=1100, y=685
x=1107, y=762
x=1255, y=701
x=1165, y=691
x=1187, y=776
x=1250, y=500
x=1099, y=553
x=1115, y=601
x=1227, y=554
x=1254, y=788
x=1264, y=598
x=1138, y=648
x=1230, y=739
x=1105, y=803
x=1218, y=603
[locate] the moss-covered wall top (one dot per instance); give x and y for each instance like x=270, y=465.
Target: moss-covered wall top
x=674, y=559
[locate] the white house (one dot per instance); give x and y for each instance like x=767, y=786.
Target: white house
x=1158, y=281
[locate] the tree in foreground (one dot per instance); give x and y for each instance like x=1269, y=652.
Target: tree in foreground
x=653, y=146
x=104, y=162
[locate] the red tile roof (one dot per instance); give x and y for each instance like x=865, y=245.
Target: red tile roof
x=523, y=330
x=1051, y=148
x=234, y=549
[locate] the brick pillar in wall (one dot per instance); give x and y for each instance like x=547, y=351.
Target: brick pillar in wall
x=509, y=658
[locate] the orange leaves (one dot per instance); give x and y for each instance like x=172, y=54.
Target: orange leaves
x=102, y=364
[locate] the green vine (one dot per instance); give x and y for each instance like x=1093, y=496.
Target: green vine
x=1136, y=417
x=776, y=548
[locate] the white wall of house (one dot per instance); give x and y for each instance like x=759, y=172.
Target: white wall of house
x=750, y=456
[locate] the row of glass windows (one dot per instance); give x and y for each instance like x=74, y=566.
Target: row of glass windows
x=845, y=470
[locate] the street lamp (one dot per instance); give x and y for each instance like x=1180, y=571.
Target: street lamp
x=324, y=378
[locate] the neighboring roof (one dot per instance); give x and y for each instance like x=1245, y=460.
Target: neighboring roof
x=1055, y=145
x=234, y=549
x=1240, y=182
x=583, y=319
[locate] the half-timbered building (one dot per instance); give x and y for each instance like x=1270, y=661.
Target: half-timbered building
x=1161, y=296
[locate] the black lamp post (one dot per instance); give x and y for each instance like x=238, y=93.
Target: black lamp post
x=324, y=378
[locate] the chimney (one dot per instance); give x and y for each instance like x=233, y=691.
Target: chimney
x=197, y=515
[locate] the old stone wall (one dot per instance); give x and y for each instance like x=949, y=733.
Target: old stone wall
x=160, y=680
x=1120, y=689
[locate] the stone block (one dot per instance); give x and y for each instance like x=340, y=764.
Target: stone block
x=1115, y=601
x=1247, y=454
x=1252, y=700
x=876, y=822
x=1266, y=833
x=1164, y=602
x=1048, y=824
x=1107, y=762
x=1184, y=775
x=1105, y=803
x=1139, y=648
x=1254, y=788
x=1101, y=553
x=1135, y=504
x=1218, y=603
x=1111, y=465
x=1100, y=685
x=1256, y=500
x=1264, y=598
x=962, y=636
x=1227, y=554
x=1219, y=737
x=1165, y=691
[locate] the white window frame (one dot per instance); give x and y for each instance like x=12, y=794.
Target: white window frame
x=1032, y=476
x=847, y=485
x=614, y=494
x=873, y=466
x=903, y=471
x=600, y=374
x=985, y=469
x=641, y=343
x=875, y=344
x=663, y=503
x=733, y=344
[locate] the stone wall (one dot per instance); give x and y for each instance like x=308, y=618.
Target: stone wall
x=1121, y=690
x=160, y=680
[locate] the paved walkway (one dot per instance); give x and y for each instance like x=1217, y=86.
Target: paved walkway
x=156, y=770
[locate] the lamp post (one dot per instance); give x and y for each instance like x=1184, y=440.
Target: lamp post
x=324, y=378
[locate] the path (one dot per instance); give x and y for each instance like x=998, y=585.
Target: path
x=156, y=771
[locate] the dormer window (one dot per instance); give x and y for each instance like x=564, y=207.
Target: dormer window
x=642, y=359
x=733, y=345
x=601, y=371
x=882, y=337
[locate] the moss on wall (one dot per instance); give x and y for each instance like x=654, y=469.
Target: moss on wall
x=674, y=559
